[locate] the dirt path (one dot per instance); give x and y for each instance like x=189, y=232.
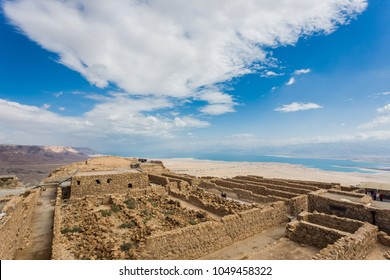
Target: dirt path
x=42, y=229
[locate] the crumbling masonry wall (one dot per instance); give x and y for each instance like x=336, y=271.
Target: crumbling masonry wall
x=196, y=241
x=15, y=225
x=107, y=183
x=348, y=209
x=355, y=246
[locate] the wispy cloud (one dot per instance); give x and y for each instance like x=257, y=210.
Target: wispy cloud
x=270, y=74
x=297, y=106
x=379, y=120
x=169, y=48
x=302, y=71
x=291, y=81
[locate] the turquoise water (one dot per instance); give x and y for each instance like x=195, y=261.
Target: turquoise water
x=323, y=164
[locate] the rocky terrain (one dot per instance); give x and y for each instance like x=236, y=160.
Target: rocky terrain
x=118, y=229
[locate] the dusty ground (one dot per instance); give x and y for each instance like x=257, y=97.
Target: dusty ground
x=267, y=245
x=274, y=170
x=39, y=247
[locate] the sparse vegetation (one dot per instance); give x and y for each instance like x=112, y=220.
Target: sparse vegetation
x=192, y=222
x=75, y=229
x=115, y=208
x=168, y=212
x=126, y=246
x=128, y=225
x=105, y=213
x=131, y=203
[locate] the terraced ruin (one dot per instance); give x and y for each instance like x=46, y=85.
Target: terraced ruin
x=115, y=208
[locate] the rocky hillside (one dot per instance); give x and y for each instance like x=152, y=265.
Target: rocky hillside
x=32, y=163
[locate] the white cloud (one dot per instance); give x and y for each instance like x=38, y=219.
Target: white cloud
x=291, y=81
x=117, y=118
x=61, y=109
x=217, y=109
x=384, y=109
x=168, y=47
x=384, y=93
x=302, y=71
x=380, y=120
x=46, y=106
x=218, y=102
x=297, y=106
x=269, y=74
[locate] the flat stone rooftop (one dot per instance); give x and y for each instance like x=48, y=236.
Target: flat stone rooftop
x=109, y=172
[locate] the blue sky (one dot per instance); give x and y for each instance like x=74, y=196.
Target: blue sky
x=164, y=78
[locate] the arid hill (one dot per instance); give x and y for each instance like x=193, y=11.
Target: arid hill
x=33, y=163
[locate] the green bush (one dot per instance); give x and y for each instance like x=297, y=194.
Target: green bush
x=116, y=208
x=105, y=213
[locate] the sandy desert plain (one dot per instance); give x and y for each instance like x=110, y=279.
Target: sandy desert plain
x=125, y=208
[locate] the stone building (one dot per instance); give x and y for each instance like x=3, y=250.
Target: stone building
x=107, y=182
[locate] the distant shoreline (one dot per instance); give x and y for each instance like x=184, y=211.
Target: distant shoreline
x=226, y=169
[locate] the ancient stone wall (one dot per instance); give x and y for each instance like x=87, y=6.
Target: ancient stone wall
x=15, y=225
x=352, y=210
x=331, y=221
x=254, y=188
x=188, y=243
x=189, y=179
x=298, y=204
x=355, y=246
x=290, y=189
x=312, y=234
x=103, y=183
x=241, y=194
x=321, y=185
x=196, y=241
x=255, y=220
x=281, y=182
x=160, y=180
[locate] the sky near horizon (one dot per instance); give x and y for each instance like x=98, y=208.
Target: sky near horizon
x=168, y=77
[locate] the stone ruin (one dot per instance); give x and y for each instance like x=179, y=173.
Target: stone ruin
x=152, y=213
